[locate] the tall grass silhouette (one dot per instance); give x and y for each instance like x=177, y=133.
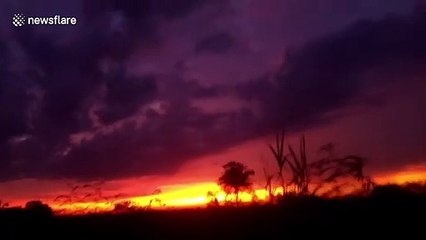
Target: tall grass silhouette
x=279, y=156
x=328, y=170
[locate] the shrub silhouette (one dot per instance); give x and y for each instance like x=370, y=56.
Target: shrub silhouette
x=3, y=205
x=156, y=200
x=235, y=178
x=123, y=206
x=38, y=208
x=212, y=199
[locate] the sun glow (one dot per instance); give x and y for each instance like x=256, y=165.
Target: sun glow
x=173, y=196
x=202, y=193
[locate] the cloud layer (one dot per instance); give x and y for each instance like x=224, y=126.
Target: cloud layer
x=142, y=88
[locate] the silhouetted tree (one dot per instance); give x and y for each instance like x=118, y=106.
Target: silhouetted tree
x=235, y=178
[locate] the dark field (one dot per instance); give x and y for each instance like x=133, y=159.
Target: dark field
x=382, y=214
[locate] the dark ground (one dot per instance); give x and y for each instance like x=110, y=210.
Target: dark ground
x=384, y=214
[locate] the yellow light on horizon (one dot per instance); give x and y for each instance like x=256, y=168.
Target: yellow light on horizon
x=173, y=196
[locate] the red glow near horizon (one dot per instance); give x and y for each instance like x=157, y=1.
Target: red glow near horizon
x=191, y=194
x=195, y=194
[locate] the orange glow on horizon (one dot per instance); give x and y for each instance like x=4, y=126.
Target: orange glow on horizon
x=415, y=173
x=173, y=196
x=195, y=194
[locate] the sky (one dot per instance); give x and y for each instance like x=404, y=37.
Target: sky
x=146, y=94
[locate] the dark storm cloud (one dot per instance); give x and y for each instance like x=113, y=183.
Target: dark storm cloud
x=124, y=96
x=175, y=9
x=217, y=43
x=139, y=9
x=199, y=91
x=159, y=146
x=321, y=77
x=13, y=102
x=148, y=124
x=327, y=73
x=49, y=85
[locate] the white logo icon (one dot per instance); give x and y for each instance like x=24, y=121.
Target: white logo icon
x=18, y=20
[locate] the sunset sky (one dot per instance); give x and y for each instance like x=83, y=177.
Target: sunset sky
x=158, y=94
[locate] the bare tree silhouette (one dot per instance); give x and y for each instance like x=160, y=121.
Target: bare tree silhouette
x=328, y=169
x=331, y=168
x=300, y=168
x=268, y=186
x=280, y=158
x=235, y=178
x=367, y=185
x=298, y=164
